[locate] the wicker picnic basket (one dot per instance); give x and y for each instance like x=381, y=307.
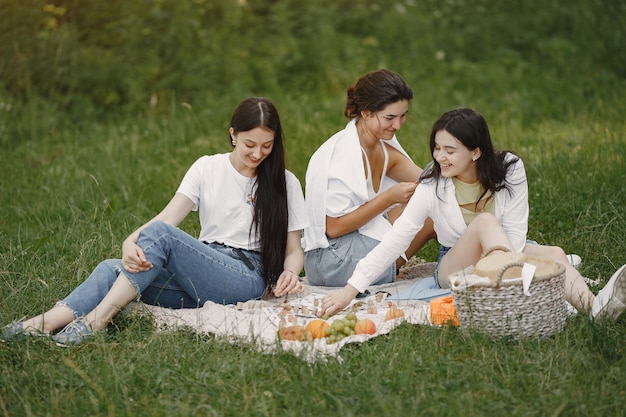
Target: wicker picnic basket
x=496, y=304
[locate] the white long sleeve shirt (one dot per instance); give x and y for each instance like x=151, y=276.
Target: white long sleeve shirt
x=438, y=201
x=336, y=185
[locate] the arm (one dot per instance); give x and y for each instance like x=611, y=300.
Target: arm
x=339, y=226
x=289, y=281
x=400, y=169
x=393, y=244
x=175, y=212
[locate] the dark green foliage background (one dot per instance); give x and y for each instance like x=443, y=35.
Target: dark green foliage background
x=87, y=56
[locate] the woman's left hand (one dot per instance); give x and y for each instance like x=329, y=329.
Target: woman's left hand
x=288, y=283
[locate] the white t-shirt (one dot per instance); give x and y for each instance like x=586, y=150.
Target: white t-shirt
x=438, y=201
x=223, y=197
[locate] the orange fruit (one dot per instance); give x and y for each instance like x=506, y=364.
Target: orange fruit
x=365, y=326
x=317, y=328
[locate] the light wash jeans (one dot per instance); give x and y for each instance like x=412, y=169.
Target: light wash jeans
x=334, y=265
x=185, y=274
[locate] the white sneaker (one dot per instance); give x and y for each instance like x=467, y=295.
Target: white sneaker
x=574, y=260
x=610, y=302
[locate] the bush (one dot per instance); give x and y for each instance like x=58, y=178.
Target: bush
x=139, y=56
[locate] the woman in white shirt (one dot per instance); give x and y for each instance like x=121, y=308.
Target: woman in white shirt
x=358, y=182
x=251, y=212
x=477, y=198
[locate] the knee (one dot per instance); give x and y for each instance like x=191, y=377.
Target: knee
x=105, y=274
x=487, y=220
x=154, y=230
x=156, y=226
x=554, y=252
x=109, y=266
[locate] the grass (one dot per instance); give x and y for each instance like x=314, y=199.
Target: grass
x=70, y=197
x=73, y=187
x=415, y=369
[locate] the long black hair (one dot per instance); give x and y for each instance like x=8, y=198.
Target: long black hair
x=374, y=91
x=470, y=128
x=269, y=222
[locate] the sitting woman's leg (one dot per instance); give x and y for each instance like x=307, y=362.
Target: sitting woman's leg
x=187, y=273
x=577, y=292
x=82, y=300
x=53, y=319
x=482, y=234
x=121, y=293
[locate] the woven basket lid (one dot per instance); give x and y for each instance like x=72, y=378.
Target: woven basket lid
x=491, y=265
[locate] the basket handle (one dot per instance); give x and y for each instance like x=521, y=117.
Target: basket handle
x=491, y=249
x=505, y=268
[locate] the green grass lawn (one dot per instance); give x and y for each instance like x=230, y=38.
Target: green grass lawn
x=78, y=178
x=71, y=196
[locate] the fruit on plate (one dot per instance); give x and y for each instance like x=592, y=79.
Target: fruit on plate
x=317, y=328
x=341, y=328
x=365, y=326
x=296, y=332
x=394, y=313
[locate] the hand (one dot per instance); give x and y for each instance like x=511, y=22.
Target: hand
x=337, y=300
x=133, y=258
x=288, y=283
x=402, y=192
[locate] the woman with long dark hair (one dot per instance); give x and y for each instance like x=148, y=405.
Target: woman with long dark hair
x=477, y=198
x=251, y=212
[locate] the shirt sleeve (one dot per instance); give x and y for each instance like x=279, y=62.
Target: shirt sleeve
x=395, y=242
x=516, y=210
x=191, y=185
x=297, y=212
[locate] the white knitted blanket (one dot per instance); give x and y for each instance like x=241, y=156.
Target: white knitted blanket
x=257, y=322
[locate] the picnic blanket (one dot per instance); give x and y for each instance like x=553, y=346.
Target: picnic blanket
x=257, y=321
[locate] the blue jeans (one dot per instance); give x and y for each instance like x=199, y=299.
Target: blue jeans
x=334, y=265
x=185, y=274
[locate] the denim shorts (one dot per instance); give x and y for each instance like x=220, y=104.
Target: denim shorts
x=334, y=265
x=442, y=251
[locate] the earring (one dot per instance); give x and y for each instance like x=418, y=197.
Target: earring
x=233, y=142
x=474, y=158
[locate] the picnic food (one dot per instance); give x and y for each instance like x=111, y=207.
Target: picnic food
x=365, y=326
x=394, y=313
x=317, y=328
x=341, y=328
x=296, y=333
